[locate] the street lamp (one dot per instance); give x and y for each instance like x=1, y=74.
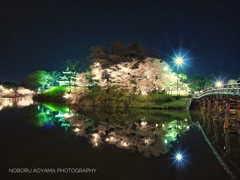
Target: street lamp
x=219, y=84
x=178, y=61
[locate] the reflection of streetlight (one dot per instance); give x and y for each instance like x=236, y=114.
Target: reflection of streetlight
x=179, y=61
x=179, y=157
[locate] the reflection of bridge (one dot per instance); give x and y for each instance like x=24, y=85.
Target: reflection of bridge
x=221, y=107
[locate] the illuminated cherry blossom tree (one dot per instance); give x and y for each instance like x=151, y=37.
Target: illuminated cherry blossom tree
x=23, y=91
x=5, y=91
x=143, y=76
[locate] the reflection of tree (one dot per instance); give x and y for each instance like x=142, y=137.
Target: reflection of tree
x=15, y=102
x=145, y=137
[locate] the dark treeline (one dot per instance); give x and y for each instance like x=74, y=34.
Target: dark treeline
x=118, y=53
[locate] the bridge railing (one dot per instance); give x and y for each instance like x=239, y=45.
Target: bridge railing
x=226, y=89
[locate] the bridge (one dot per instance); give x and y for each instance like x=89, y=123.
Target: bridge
x=221, y=107
x=224, y=90
x=221, y=100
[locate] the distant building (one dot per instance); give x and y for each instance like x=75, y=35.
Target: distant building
x=68, y=76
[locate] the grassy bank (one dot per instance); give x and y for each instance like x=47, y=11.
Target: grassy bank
x=112, y=97
x=54, y=94
x=180, y=103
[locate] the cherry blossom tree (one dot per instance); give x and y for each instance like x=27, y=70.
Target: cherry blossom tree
x=23, y=91
x=4, y=91
x=139, y=77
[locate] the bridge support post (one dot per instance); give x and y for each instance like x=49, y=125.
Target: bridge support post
x=227, y=115
x=209, y=125
x=238, y=135
x=216, y=111
x=215, y=125
x=238, y=112
x=209, y=107
x=204, y=104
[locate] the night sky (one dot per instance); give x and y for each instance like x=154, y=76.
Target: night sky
x=43, y=34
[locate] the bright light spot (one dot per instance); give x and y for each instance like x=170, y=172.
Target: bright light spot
x=179, y=157
x=96, y=144
x=163, y=125
x=144, y=123
x=185, y=120
x=143, y=92
x=67, y=115
x=187, y=127
x=165, y=141
x=219, y=84
x=112, y=139
x=156, y=125
x=107, y=139
x=76, y=130
x=67, y=95
x=165, y=68
x=179, y=60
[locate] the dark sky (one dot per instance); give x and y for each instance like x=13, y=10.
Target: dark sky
x=43, y=34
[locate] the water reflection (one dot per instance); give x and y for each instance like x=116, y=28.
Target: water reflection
x=226, y=141
x=15, y=102
x=147, y=136
x=141, y=136
x=51, y=114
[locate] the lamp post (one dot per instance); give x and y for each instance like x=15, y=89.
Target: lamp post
x=219, y=84
x=179, y=61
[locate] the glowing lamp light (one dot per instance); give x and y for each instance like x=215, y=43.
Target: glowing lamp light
x=219, y=84
x=179, y=157
x=179, y=60
x=76, y=130
x=144, y=123
x=67, y=95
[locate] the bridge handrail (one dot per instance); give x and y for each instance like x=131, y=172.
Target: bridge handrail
x=226, y=89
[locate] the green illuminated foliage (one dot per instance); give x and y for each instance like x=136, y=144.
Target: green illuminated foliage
x=37, y=79
x=196, y=82
x=55, y=91
x=56, y=107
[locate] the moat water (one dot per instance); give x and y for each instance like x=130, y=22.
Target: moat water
x=51, y=141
